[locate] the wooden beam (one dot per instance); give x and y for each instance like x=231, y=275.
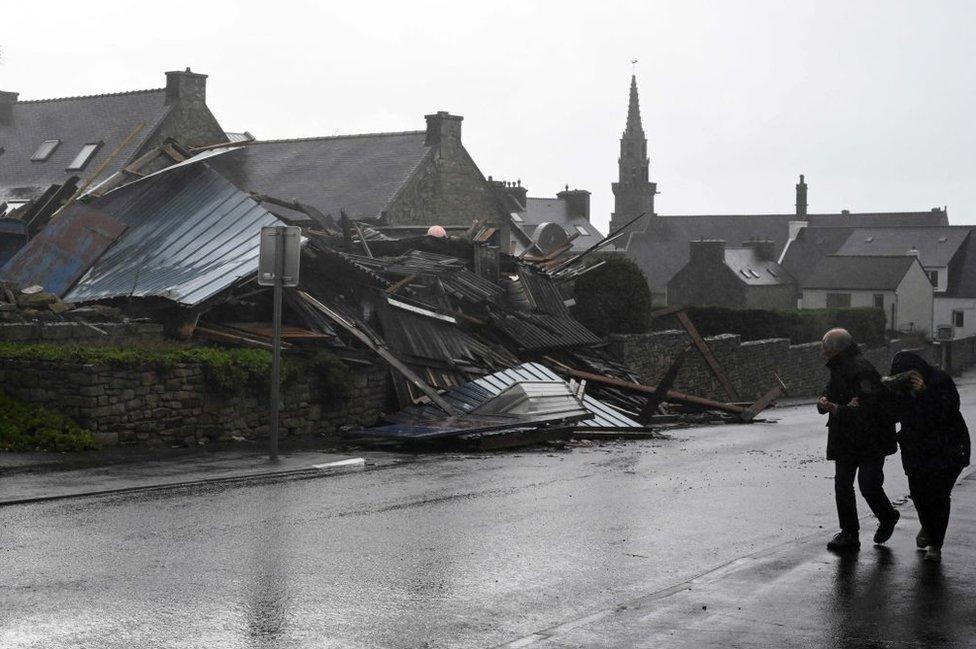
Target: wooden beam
x=706, y=352
x=671, y=395
x=668, y=310
x=663, y=386
x=400, y=283
x=765, y=400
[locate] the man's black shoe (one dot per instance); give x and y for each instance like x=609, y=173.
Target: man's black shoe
x=921, y=539
x=886, y=528
x=844, y=540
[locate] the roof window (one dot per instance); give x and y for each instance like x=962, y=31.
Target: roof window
x=45, y=150
x=743, y=273
x=772, y=272
x=582, y=230
x=941, y=239
x=87, y=153
x=516, y=217
x=754, y=273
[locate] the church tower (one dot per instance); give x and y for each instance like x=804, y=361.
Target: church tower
x=632, y=193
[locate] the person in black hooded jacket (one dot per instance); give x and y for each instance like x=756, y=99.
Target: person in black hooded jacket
x=934, y=442
x=858, y=438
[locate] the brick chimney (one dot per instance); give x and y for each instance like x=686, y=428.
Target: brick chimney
x=186, y=86
x=764, y=248
x=7, y=101
x=443, y=129
x=578, y=201
x=708, y=252
x=801, y=200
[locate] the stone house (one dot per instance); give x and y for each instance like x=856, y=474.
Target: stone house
x=400, y=183
x=897, y=284
x=45, y=142
x=746, y=277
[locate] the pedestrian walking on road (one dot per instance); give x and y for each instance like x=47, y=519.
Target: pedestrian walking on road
x=934, y=441
x=860, y=434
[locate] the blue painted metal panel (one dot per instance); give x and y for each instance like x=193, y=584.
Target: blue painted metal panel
x=63, y=250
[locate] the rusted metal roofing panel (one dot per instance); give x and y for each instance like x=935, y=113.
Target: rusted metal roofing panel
x=191, y=235
x=63, y=250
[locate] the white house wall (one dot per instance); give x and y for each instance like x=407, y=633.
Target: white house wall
x=915, y=300
x=817, y=299
x=944, y=306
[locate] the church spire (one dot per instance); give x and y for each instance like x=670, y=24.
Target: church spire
x=634, y=126
x=633, y=193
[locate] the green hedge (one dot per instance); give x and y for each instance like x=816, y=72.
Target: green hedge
x=867, y=325
x=28, y=427
x=229, y=369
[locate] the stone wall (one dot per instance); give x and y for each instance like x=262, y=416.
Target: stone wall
x=180, y=406
x=750, y=366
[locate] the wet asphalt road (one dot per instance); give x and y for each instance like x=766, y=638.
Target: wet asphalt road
x=448, y=551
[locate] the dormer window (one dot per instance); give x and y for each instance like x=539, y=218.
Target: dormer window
x=87, y=153
x=45, y=150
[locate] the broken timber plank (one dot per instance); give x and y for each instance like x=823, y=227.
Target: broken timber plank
x=663, y=386
x=706, y=352
x=381, y=351
x=396, y=286
x=672, y=395
x=763, y=402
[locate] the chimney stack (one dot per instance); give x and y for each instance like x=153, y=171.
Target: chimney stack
x=709, y=252
x=443, y=129
x=7, y=101
x=577, y=200
x=801, y=200
x=765, y=249
x=185, y=86
x=515, y=190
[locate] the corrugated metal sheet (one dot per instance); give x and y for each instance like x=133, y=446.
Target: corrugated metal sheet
x=191, y=235
x=468, y=397
x=63, y=250
x=536, y=331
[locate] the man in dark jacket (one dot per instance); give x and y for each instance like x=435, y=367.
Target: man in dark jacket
x=859, y=436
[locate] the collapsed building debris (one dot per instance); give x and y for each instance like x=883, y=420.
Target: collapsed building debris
x=479, y=343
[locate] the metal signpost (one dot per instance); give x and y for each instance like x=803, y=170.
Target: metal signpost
x=278, y=263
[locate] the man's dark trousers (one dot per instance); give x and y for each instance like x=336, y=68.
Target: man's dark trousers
x=870, y=478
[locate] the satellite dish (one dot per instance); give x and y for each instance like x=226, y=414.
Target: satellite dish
x=549, y=236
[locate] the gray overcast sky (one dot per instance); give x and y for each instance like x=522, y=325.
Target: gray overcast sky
x=873, y=101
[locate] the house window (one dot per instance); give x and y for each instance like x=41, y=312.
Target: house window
x=958, y=319
x=45, y=150
x=86, y=154
x=582, y=230
x=933, y=276
x=879, y=300
x=838, y=300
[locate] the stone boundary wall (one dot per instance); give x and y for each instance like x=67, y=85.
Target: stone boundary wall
x=69, y=332
x=179, y=406
x=751, y=365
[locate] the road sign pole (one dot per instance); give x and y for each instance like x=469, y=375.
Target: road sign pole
x=279, y=263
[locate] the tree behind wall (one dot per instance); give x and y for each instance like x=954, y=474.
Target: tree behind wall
x=613, y=298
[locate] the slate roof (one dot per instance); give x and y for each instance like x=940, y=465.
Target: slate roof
x=810, y=246
x=859, y=273
x=753, y=271
x=556, y=210
x=936, y=246
x=360, y=174
x=75, y=121
x=962, y=272
x=662, y=249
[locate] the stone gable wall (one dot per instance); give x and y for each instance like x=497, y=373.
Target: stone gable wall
x=179, y=406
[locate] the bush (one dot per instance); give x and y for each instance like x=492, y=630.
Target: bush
x=613, y=298
x=867, y=325
x=27, y=427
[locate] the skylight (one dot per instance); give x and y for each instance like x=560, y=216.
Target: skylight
x=45, y=150
x=516, y=217
x=84, y=156
x=582, y=230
